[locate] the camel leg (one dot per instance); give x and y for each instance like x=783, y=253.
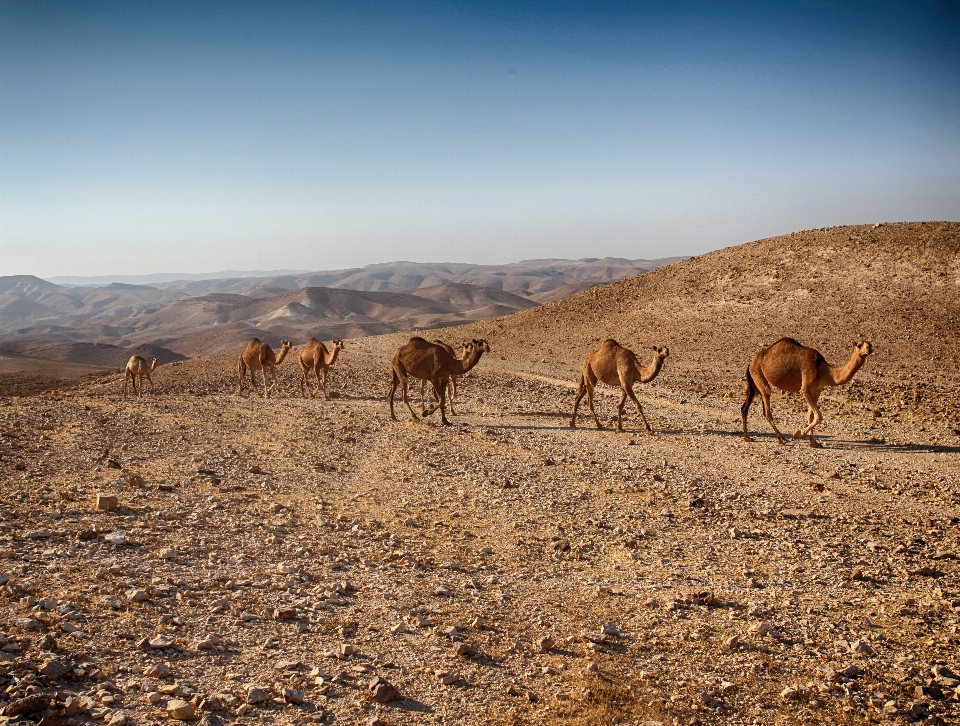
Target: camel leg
x=814, y=417
x=316, y=372
x=406, y=400
x=326, y=393
x=581, y=391
x=633, y=396
x=623, y=400
x=763, y=388
x=152, y=389
x=591, y=386
x=390, y=394
x=442, y=393
x=126, y=377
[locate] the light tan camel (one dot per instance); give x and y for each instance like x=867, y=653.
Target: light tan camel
x=137, y=368
x=315, y=357
x=793, y=367
x=258, y=356
x=616, y=366
x=453, y=379
x=429, y=362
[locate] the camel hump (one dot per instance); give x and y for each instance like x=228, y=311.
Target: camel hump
x=610, y=341
x=789, y=341
x=418, y=339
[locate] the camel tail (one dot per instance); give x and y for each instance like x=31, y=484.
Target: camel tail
x=751, y=393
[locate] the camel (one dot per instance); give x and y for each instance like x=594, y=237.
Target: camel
x=258, y=356
x=453, y=379
x=790, y=366
x=137, y=367
x=315, y=357
x=616, y=366
x=430, y=362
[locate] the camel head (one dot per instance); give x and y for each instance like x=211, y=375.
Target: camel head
x=338, y=344
x=863, y=348
x=285, y=345
x=153, y=364
x=662, y=352
x=481, y=344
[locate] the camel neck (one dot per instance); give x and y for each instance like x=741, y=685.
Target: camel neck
x=333, y=356
x=839, y=375
x=650, y=372
x=283, y=354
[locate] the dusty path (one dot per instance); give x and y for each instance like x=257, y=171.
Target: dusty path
x=275, y=543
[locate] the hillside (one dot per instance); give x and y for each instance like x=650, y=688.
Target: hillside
x=897, y=285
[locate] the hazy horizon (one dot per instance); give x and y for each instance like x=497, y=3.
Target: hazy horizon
x=138, y=137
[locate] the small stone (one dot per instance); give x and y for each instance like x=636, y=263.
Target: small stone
x=610, y=629
x=255, y=469
x=851, y=671
x=180, y=710
x=732, y=642
x=135, y=595
x=106, y=502
x=210, y=719
x=158, y=670
x=383, y=691
x=134, y=480
x=447, y=677
x=161, y=642
x=861, y=647
x=464, y=649
x=286, y=569
x=292, y=696
x=246, y=616
x=111, y=602
x=545, y=644
x=398, y=629
x=761, y=628
x=116, y=538
x=154, y=698
x=789, y=693
x=245, y=709
x=856, y=574
x=30, y=704
x=593, y=667
x=347, y=649
x=53, y=669
x=256, y=695
x=478, y=622
x=167, y=553
x=119, y=718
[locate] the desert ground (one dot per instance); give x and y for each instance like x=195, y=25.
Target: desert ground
x=297, y=560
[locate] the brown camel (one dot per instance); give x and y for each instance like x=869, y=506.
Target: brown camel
x=258, y=356
x=453, y=379
x=793, y=367
x=315, y=357
x=429, y=362
x=616, y=366
x=137, y=368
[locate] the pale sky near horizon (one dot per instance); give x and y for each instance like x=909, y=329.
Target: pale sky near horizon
x=142, y=137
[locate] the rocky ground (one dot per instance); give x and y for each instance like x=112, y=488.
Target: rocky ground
x=296, y=561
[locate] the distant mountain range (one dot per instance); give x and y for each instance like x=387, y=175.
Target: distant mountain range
x=190, y=317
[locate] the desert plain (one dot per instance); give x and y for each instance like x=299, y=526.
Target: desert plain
x=303, y=560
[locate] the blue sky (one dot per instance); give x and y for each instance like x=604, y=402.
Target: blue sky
x=141, y=137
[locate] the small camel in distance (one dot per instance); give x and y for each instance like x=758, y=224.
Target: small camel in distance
x=453, y=379
x=430, y=362
x=258, y=356
x=616, y=366
x=315, y=357
x=137, y=367
x=793, y=367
